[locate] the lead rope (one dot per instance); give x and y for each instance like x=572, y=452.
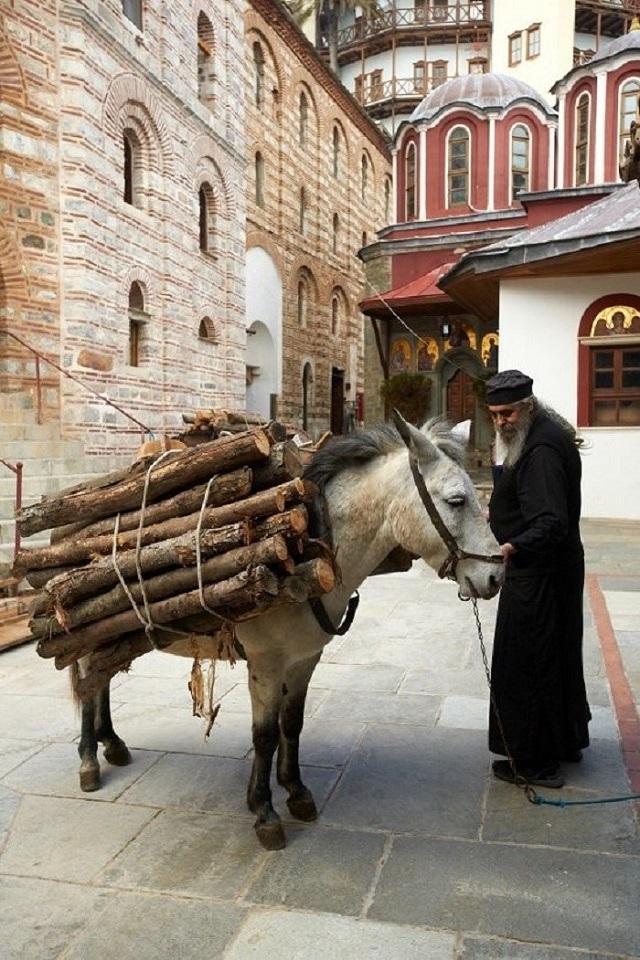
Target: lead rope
x=520, y=781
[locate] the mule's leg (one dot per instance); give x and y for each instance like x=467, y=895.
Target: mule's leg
x=301, y=803
x=115, y=749
x=265, y=687
x=88, y=748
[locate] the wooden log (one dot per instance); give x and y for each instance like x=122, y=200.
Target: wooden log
x=228, y=486
x=46, y=621
x=70, y=587
x=181, y=469
x=75, y=551
x=319, y=575
x=252, y=586
x=40, y=578
x=283, y=463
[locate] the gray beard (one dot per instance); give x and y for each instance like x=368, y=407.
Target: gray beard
x=508, y=451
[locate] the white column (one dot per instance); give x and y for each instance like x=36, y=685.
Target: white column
x=491, y=191
x=422, y=174
x=394, y=187
x=562, y=139
x=600, y=128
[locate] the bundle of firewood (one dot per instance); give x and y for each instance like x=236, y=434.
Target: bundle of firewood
x=218, y=421
x=176, y=548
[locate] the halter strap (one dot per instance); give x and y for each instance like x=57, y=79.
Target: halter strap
x=456, y=553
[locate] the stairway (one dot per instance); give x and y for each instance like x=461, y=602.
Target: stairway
x=50, y=463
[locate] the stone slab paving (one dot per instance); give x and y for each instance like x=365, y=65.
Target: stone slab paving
x=418, y=851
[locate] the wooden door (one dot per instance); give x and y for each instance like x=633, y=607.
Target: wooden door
x=461, y=401
x=337, y=400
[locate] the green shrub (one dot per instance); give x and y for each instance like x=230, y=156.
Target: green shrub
x=410, y=393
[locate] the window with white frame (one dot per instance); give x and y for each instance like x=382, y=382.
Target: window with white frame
x=410, y=205
x=520, y=160
x=581, y=150
x=533, y=41
x=458, y=158
x=628, y=109
x=515, y=48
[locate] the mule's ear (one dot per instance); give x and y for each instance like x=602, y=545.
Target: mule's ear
x=462, y=431
x=414, y=439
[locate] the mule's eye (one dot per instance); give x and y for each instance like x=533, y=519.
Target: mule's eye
x=458, y=501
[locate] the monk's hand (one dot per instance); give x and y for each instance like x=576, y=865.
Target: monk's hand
x=506, y=549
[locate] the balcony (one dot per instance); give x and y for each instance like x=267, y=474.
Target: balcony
x=379, y=96
x=429, y=15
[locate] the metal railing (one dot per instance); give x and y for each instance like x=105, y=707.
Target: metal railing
x=398, y=88
x=145, y=430
x=454, y=14
x=16, y=468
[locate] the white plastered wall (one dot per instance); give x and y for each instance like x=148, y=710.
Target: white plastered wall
x=264, y=321
x=538, y=334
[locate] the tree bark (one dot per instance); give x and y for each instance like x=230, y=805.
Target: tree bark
x=228, y=486
x=251, y=587
x=70, y=587
x=75, y=551
x=168, y=584
x=183, y=468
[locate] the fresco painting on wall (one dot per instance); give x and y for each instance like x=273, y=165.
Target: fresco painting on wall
x=400, y=357
x=490, y=350
x=427, y=354
x=462, y=335
x=616, y=321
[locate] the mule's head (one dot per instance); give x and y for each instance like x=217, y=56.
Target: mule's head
x=436, y=456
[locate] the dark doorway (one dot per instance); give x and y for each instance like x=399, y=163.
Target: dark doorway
x=337, y=400
x=461, y=400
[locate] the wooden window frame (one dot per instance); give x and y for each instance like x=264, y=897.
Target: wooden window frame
x=515, y=48
x=533, y=39
x=617, y=393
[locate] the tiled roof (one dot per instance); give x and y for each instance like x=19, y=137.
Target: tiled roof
x=483, y=90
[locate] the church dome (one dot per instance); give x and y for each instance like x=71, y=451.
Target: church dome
x=627, y=42
x=485, y=91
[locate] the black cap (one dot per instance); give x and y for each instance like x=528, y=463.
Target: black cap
x=508, y=386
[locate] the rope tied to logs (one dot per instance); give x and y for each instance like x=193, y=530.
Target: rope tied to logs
x=147, y=620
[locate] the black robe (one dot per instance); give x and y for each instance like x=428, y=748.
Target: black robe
x=537, y=675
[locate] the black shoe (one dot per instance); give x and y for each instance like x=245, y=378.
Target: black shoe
x=547, y=777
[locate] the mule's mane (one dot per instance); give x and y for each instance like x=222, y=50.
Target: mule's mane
x=361, y=447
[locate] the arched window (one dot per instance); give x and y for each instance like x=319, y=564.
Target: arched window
x=303, y=302
x=303, y=210
x=609, y=363
x=520, y=160
x=303, y=120
x=410, y=205
x=138, y=317
x=207, y=330
x=206, y=218
x=629, y=94
x=132, y=187
x=335, y=314
x=205, y=59
x=259, y=178
x=458, y=168
x=307, y=389
x=336, y=233
x=258, y=74
x=336, y=152
x=582, y=140
x=364, y=176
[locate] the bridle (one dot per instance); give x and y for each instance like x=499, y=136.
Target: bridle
x=448, y=569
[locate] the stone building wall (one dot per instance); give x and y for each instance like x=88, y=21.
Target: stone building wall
x=295, y=159
x=29, y=199
x=88, y=78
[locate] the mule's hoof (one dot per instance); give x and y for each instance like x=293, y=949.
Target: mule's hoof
x=271, y=835
x=303, y=808
x=90, y=779
x=117, y=754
